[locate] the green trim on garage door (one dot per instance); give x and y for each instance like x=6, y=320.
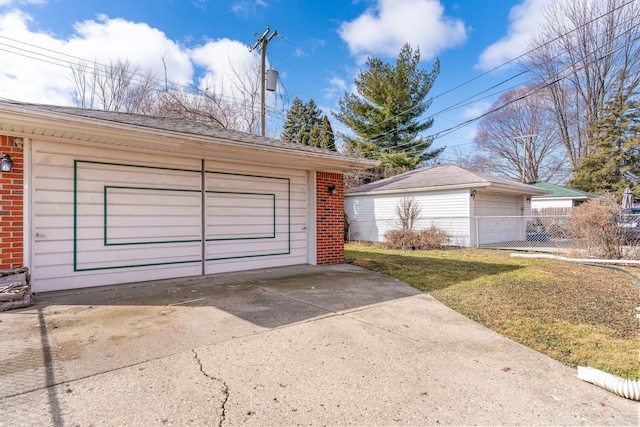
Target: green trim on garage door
x=76, y=163
x=288, y=181
x=273, y=198
x=106, y=242
x=122, y=187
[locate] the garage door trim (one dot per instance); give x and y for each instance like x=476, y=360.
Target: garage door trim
x=76, y=163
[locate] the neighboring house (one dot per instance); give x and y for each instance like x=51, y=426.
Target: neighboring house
x=449, y=197
x=558, y=201
x=102, y=198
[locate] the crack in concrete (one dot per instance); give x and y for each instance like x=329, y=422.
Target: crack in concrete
x=225, y=388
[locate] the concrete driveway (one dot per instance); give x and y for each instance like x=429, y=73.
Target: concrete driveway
x=333, y=345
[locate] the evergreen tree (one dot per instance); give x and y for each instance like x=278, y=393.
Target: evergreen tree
x=614, y=162
x=306, y=125
x=385, y=112
x=294, y=123
x=314, y=136
x=327, y=138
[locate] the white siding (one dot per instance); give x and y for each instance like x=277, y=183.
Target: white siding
x=80, y=242
x=256, y=217
x=551, y=203
x=371, y=216
x=104, y=216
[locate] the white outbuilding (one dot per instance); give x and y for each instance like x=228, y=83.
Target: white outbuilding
x=450, y=198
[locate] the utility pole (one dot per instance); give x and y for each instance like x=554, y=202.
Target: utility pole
x=261, y=43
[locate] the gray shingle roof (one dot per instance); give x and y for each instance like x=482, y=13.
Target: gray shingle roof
x=442, y=176
x=178, y=125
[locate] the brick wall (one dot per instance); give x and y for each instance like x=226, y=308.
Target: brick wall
x=329, y=219
x=11, y=220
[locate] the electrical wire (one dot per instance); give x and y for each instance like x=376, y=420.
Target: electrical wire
x=569, y=67
x=96, y=68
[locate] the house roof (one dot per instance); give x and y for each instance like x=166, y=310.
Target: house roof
x=444, y=177
x=173, y=135
x=557, y=191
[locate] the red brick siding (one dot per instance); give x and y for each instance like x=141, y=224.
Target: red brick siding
x=329, y=219
x=11, y=207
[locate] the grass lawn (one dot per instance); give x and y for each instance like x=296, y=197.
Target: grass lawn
x=576, y=314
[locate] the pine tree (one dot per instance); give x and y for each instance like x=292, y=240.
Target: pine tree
x=327, y=138
x=614, y=162
x=294, y=123
x=314, y=136
x=385, y=112
x=306, y=125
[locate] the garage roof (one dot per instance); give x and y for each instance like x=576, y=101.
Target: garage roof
x=559, y=192
x=173, y=135
x=442, y=177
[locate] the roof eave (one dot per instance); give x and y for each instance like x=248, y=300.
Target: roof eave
x=477, y=185
x=16, y=120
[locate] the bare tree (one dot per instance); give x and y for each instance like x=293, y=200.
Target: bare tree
x=520, y=140
x=473, y=160
x=118, y=86
x=408, y=211
x=590, y=48
x=230, y=101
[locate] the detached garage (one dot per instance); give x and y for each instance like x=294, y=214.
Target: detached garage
x=100, y=198
x=450, y=198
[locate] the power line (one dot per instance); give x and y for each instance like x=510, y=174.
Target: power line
x=445, y=132
x=496, y=68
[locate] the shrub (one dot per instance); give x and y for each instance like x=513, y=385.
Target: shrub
x=431, y=238
x=347, y=225
x=594, y=224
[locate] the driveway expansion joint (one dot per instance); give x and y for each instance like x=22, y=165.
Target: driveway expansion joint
x=225, y=388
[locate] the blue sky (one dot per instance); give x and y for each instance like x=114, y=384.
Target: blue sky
x=323, y=45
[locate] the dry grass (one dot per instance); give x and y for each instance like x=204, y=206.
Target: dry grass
x=576, y=314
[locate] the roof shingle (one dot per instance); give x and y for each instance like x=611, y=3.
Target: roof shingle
x=441, y=176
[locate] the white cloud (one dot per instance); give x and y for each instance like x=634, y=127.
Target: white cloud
x=336, y=88
x=524, y=19
x=107, y=39
x=227, y=62
x=384, y=28
x=476, y=109
x=7, y=3
x=39, y=71
x=248, y=6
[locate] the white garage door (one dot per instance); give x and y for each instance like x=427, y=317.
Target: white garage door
x=102, y=216
x=497, y=205
x=255, y=218
x=491, y=210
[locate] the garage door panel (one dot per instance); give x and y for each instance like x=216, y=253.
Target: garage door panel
x=56, y=278
x=97, y=219
x=102, y=216
x=153, y=238
x=94, y=175
x=249, y=218
x=259, y=262
x=64, y=210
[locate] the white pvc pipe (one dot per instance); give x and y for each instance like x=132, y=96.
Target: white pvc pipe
x=620, y=386
x=579, y=260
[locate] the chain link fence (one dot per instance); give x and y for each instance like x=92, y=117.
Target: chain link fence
x=617, y=237
x=553, y=233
